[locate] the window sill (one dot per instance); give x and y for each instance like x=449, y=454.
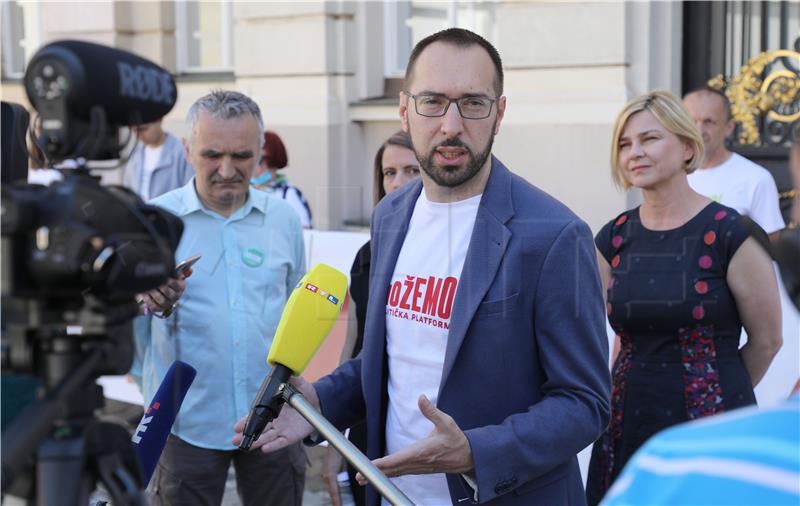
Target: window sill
x=200, y=76
x=374, y=109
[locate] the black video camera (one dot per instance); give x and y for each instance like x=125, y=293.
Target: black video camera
x=77, y=242
x=74, y=254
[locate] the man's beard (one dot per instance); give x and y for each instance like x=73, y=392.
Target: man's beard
x=449, y=176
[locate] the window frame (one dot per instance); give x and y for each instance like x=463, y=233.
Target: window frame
x=32, y=38
x=392, y=17
x=182, y=38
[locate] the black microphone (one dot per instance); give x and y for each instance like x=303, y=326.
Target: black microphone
x=69, y=81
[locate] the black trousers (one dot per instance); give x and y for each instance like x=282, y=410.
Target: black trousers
x=194, y=476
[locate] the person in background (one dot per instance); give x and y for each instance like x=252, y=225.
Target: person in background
x=395, y=165
x=38, y=170
x=267, y=178
x=682, y=278
x=222, y=320
x=749, y=456
x=157, y=164
x=727, y=177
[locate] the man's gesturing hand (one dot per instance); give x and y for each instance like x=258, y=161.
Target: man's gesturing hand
x=288, y=428
x=444, y=450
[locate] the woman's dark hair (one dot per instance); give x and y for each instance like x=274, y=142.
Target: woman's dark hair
x=274, y=151
x=399, y=138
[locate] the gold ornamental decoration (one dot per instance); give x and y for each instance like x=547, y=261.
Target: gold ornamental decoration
x=752, y=95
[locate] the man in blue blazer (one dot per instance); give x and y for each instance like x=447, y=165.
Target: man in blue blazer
x=484, y=367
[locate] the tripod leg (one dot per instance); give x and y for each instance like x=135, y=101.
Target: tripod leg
x=60, y=477
x=111, y=458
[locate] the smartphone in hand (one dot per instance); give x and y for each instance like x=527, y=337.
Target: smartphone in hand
x=184, y=268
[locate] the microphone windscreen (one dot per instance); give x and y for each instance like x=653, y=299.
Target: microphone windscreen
x=130, y=89
x=309, y=315
x=151, y=434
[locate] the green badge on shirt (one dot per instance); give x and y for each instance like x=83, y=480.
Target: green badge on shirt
x=253, y=256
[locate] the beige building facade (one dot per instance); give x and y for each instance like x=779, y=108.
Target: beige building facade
x=326, y=75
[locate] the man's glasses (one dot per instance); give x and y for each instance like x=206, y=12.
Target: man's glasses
x=434, y=106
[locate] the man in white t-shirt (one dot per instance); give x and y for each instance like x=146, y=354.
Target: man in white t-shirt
x=727, y=177
x=484, y=367
x=157, y=164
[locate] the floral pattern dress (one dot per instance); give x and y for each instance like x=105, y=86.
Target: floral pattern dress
x=679, y=330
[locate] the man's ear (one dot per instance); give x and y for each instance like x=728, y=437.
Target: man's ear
x=403, y=110
x=501, y=111
x=185, y=147
x=729, y=126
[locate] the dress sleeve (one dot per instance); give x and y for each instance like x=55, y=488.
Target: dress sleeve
x=603, y=240
x=732, y=233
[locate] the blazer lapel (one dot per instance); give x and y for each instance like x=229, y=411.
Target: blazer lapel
x=386, y=242
x=487, y=246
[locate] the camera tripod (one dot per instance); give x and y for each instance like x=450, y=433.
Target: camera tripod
x=58, y=434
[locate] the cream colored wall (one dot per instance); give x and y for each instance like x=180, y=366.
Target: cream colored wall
x=569, y=68
x=568, y=72
x=295, y=59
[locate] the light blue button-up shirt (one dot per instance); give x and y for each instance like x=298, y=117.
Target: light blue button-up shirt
x=226, y=318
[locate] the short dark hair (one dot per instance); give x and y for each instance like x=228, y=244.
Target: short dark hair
x=713, y=91
x=460, y=38
x=274, y=151
x=399, y=138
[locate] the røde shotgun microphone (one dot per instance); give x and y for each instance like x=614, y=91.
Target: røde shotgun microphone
x=309, y=315
x=151, y=434
x=74, y=84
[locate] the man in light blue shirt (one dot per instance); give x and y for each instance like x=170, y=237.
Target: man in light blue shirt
x=251, y=248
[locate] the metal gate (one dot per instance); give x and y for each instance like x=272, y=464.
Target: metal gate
x=752, y=51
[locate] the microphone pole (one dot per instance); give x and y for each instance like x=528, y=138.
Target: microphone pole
x=384, y=485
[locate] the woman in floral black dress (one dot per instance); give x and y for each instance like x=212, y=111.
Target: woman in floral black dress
x=682, y=277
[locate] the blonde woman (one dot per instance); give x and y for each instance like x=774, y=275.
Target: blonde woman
x=682, y=279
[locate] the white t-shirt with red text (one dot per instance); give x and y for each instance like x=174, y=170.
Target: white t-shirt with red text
x=418, y=312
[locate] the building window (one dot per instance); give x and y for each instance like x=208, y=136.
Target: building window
x=406, y=22
x=203, y=34
x=21, y=36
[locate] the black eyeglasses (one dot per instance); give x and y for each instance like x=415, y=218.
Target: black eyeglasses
x=433, y=105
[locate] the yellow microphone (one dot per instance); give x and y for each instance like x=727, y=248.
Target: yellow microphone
x=312, y=309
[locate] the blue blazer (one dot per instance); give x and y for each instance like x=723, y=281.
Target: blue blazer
x=526, y=365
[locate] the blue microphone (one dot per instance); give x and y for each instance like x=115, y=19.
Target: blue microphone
x=151, y=434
